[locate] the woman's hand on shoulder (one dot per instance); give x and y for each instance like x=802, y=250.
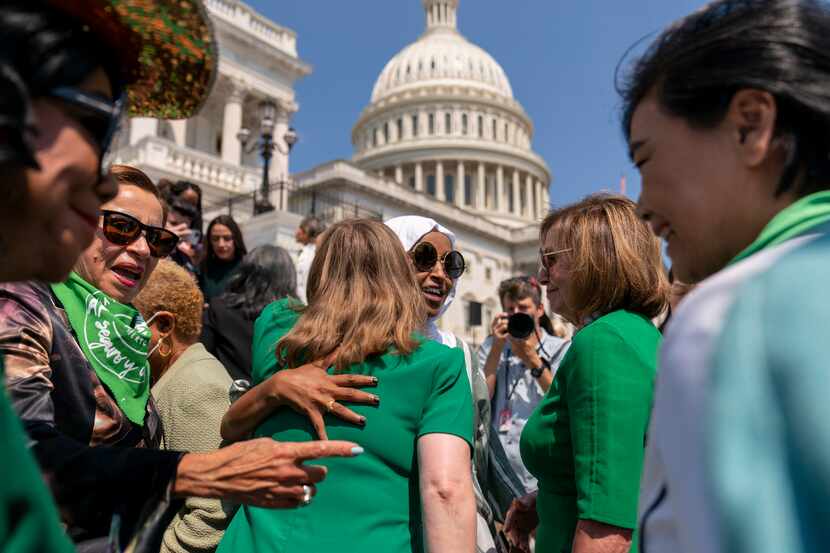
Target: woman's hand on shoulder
x=261, y=472
x=521, y=520
x=311, y=391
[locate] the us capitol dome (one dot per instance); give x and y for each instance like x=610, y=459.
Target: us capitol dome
x=443, y=121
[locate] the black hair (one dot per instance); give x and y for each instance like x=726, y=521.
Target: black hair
x=172, y=192
x=265, y=275
x=238, y=241
x=41, y=49
x=779, y=46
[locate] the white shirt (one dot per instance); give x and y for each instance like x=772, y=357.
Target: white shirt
x=303, y=267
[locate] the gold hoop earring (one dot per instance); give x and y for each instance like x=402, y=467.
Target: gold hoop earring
x=161, y=349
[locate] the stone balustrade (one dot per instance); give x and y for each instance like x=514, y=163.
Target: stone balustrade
x=242, y=16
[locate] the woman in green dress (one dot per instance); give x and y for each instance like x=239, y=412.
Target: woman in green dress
x=585, y=441
x=412, y=489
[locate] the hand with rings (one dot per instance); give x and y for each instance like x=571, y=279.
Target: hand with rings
x=309, y=390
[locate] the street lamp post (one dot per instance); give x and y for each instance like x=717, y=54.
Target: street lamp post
x=266, y=144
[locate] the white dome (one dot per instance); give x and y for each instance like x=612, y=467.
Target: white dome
x=441, y=58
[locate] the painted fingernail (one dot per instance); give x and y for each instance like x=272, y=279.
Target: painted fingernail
x=377, y=400
x=374, y=380
x=357, y=450
x=363, y=421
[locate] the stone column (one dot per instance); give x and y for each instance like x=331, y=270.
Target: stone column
x=501, y=204
x=179, y=128
x=419, y=177
x=439, y=181
x=141, y=127
x=232, y=122
x=517, y=195
x=481, y=188
x=399, y=174
x=460, y=186
x=545, y=198
x=529, y=210
x=537, y=194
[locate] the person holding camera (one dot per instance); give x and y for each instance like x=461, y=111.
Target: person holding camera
x=519, y=358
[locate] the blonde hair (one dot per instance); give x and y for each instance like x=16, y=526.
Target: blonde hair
x=171, y=288
x=615, y=258
x=363, y=298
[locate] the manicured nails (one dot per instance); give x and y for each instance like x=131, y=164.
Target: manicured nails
x=357, y=450
x=374, y=380
x=362, y=421
x=377, y=400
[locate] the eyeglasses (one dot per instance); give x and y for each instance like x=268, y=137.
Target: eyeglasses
x=102, y=119
x=122, y=229
x=549, y=258
x=425, y=256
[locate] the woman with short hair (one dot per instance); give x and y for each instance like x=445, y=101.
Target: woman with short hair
x=414, y=491
x=190, y=389
x=584, y=442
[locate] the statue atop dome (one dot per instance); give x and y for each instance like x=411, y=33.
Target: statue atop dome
x=441, y=14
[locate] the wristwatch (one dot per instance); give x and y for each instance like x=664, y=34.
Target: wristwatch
x=536, y=373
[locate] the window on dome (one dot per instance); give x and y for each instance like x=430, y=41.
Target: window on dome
x=432, y=64
x=431, y=185
x=400, y=128
x=431, y=123
x=464, y=124
x=469, y=191
x=495, y=130
x=506, y=132
x=415, y=125
x=386, y=133
x=480, y=126
x=449, y=188
x=447, y=123
x=412, y=182
x=375, y=138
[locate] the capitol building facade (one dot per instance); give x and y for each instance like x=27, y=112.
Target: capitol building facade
x=442, y=136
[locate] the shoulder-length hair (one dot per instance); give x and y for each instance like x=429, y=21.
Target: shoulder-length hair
x=265, y=275
x=782, y=47
x=238, y=241
x=615, y=259
x=363, y=298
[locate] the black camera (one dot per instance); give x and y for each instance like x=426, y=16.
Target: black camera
x=520, y=325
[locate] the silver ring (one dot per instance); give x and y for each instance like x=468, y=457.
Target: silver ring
x=306, y=500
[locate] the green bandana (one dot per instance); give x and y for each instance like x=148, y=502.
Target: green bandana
x=795, y=219
x=114, y=339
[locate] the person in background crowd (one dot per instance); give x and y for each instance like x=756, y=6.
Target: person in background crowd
x=737, y=456
x=64, y=68
x=180, y=217
x=584, y=442
x=438, y=266
x=225, y=250
x=307, y=233
x=94, y=427
x=185, y=192
x=265, y=275
x=364, y=309
x=190, y=388
x=518, y=370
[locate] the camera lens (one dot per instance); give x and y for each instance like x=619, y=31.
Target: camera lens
x=520, y=325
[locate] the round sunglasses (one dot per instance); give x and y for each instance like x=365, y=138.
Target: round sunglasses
x=425, y=256
x=122, y=229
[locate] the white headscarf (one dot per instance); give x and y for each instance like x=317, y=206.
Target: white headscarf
x=410, y=229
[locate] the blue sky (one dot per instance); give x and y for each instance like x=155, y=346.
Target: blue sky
x=560, y=57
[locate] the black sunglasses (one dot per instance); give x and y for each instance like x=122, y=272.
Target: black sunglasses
x=122, y=229
x=425, y=256
x=101, y=118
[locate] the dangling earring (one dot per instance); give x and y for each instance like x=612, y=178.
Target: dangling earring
x=161, y=349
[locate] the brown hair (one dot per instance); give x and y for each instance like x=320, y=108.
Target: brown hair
x=172, y=288
x=126, y=174
x=519, y=288
x=363, y=298
x=615, y=259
